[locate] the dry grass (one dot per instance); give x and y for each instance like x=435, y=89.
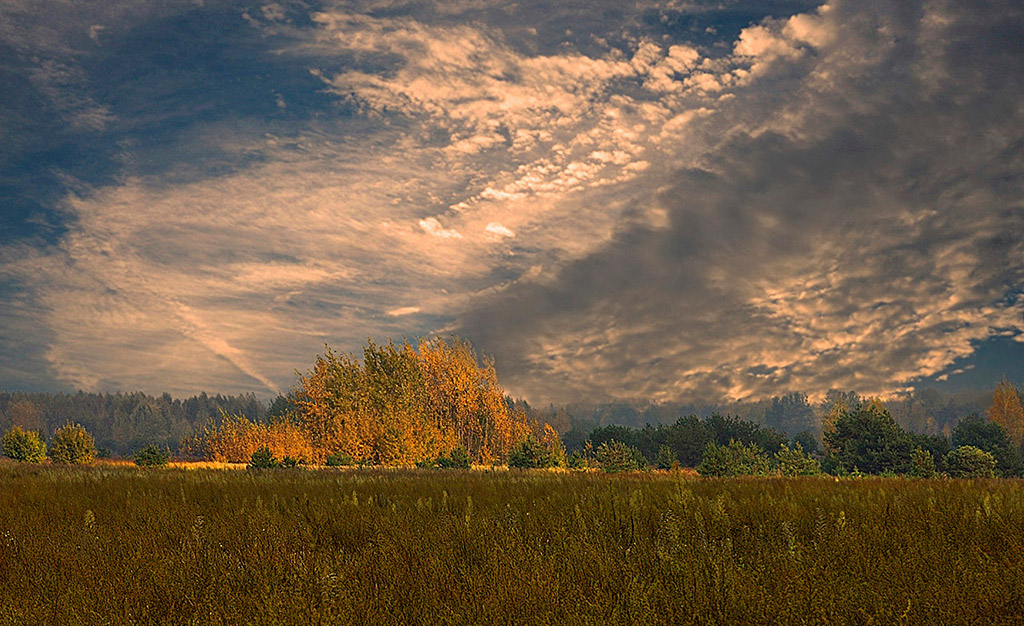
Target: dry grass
x=117, y=545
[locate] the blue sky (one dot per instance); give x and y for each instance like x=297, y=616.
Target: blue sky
x=690, y=201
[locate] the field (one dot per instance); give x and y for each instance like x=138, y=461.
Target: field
x=120, y=545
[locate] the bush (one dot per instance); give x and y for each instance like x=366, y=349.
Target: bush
x=576, y=461
x=793, y=462
x=458, y=459
x=735, y=459
x=152, y=456
x=339, y=459
x=289, y=461
x=530, y=454
x=24, y=445
x=922, y=464
x=263, y=458
x=72, y=445
x=614, y=457
x=970, y=462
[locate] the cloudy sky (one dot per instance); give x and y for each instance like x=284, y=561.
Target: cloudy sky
x=676, y=200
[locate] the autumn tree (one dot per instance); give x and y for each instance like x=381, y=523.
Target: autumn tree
x=1006, y=411
x=72, y=445
x=402, y=404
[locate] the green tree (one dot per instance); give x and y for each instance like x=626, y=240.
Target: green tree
x=263, y=458
x=922, y=464
x=530, y=454
x=152, y=456
x=24, y=445
x=869, y=439
x=970, y=462
x=991, y=437
x=734, y=459
x=666, y=459
x=72, y=445
x=614, y=457
x=793, y=462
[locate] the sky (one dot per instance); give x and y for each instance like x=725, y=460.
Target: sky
x=687, y=201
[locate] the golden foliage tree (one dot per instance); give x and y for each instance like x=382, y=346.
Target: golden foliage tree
x=1006, y=411
x=235, y=438
x=402, y=404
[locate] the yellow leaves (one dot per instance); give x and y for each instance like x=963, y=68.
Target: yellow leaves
x=1006, y=410
x=405, y=404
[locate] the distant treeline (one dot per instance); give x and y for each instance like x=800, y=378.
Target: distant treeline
x=124, y=422
x=855, y=435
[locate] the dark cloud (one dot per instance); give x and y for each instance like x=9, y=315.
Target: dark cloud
x=862, y=225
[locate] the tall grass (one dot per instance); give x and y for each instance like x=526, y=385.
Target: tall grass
x=133, y=546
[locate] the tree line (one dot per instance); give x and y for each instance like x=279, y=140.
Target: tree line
x=856, y=436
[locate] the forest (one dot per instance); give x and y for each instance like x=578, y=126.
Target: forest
x=404, y=404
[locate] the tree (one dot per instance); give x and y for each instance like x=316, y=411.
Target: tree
x=72, y=445
x=152, y=456
x=869, y=439
x=530, y=454
x=922, y=464
x=734, y=459
x=263, y=458
x=973, y=430
x=970, y=462
x=666, y=459
x=793, y=462
x=614, y=457
x=402, y=404
x=835, y=404
x=24, y=445
x=790, y=414
x=1006, y=410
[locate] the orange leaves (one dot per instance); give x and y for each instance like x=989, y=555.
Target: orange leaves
x=403, y=404
x=236, y=438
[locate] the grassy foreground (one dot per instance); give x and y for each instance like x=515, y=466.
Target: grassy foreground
x=114, y=545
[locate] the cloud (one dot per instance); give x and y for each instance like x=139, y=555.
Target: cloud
x=818, y=199
x=832, y=237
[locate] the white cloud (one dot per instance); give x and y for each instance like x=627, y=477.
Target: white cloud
x=433, y=227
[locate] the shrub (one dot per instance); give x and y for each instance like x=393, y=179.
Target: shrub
x=152, y=456
x=339, y=459
x=614, y=456
x=72, y=445
x=970, y=462
x=793, y=462
x=24, y=445
x=263, y=458
x=530, y=454
x=735, y=459
x=922, y=464
x=576, y=461
x=458, y=459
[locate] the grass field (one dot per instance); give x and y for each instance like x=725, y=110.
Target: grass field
x=119, y=545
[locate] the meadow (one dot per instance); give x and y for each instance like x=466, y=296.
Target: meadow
x=125, y=545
